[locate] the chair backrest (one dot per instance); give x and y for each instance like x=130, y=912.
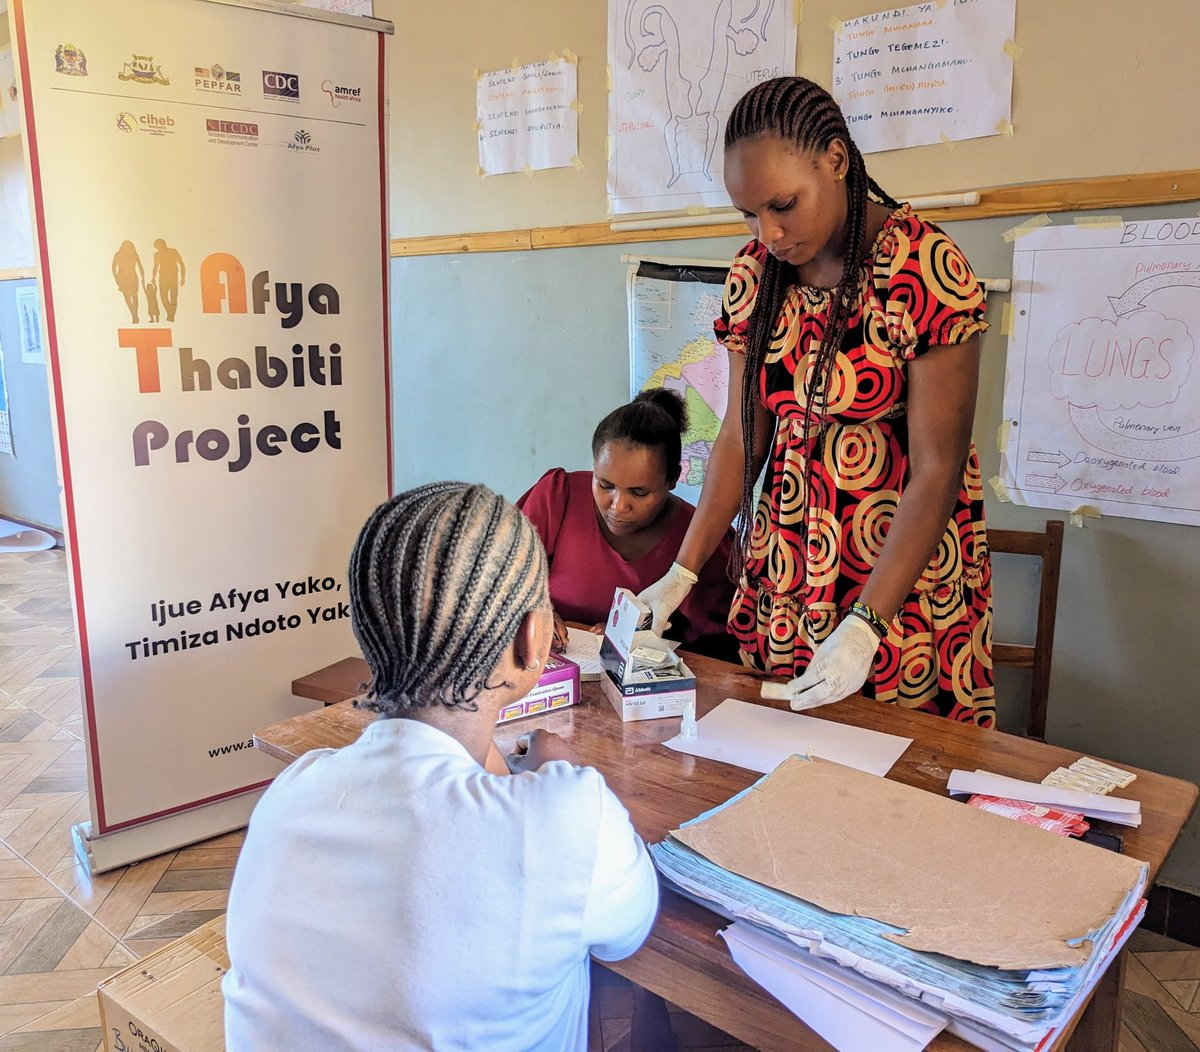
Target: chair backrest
x=1046, y=546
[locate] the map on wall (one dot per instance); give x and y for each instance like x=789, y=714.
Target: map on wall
x=677, y=68
x=672, y=308
x=1102, y=394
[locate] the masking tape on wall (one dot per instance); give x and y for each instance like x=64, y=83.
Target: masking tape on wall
x=570, y=56
x=696, y=210
x=608, y=79
x=1084, y=511
x=836, y=24
x=1000, y=489
x=577, y=106
x=797, y=11
x=576, y=161
x=554, y=57
x=946, y=141
x=1099, y=222
x=1028, y=227
x=1013, y=50
x=1005, y=128
x=1006, y=319
x=1002, y=433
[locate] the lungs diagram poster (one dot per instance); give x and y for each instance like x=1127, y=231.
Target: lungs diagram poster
x=678, y=67
x=1102, y=395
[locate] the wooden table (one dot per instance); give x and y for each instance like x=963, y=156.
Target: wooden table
x=684, y=960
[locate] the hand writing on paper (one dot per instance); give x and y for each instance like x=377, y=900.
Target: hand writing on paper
x=539, y=747
x=559, y=643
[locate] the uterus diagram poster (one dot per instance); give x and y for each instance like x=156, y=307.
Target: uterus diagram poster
x=678, y=67
x=1102, y=394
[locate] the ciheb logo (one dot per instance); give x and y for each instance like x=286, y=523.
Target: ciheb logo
x=280, y=85
x=151, y=123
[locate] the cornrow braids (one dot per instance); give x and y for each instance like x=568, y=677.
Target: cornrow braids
x=802, y=113
x=441, y=578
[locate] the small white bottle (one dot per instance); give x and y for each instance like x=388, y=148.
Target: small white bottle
x=687, y=726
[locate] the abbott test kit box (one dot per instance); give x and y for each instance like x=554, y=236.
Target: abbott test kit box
x=643, y=676
x=557, y=688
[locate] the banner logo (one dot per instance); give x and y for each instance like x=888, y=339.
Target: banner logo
x=339, y=93
x=142, y=69
x=277, y=85
x=218, y=79
x=231, y=133
x=153, y=123
x=302, y=142
x=167, y=274
x=68, y=59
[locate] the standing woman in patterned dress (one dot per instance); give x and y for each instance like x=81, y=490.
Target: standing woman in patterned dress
x=853, y=329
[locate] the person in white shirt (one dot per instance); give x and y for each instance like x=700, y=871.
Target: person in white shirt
x=395, y=894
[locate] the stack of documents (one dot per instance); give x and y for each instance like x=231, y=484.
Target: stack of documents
x=1094, y=805
x=849, y=890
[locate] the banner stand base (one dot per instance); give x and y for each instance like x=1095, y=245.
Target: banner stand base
x=112, y=850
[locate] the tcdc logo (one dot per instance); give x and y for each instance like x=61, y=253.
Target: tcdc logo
x=276, y=85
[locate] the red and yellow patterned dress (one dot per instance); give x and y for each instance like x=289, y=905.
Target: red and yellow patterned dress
x=811, y=554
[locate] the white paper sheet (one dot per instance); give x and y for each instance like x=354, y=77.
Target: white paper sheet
x=1106, y=808
x=847, y=1010
x=583, y=647
x=923, y=74
x=525, y=120
x=759, y=738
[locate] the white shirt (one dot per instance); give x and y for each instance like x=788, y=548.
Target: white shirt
x=394, y=895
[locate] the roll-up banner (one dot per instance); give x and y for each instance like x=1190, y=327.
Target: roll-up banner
x=209, y=187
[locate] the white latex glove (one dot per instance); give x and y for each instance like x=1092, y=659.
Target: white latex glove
x=666, y=595
x=839, y=667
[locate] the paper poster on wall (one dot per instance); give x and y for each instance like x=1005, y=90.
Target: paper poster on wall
x=6, y=445
x=29, y=323
x=1102, y=392
x=671, y=344
x=217, y=344
x=678, y=67
x=928, y=73
x=10, y=113
x=527, y=117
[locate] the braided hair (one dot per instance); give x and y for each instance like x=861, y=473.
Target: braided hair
x=803, y=114
x=440, y=580
x=657, y=419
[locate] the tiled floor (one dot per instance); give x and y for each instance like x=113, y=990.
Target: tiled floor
x=61, y=931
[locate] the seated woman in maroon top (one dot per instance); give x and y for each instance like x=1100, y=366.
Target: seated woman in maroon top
x=619, y=525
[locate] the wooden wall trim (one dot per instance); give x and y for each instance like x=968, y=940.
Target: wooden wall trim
x=17, y=273
x=1104, y=192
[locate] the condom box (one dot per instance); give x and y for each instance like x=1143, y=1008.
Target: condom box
x=169, y=1001
x=644, y=679
x=557, y=688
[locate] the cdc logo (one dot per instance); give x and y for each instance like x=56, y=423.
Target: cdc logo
x=280, y=85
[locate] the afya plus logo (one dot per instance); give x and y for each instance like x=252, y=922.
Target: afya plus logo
x=218, y=79
x=302, y=143
x=276, y=85
x=151, y=123
x=339, y=93
x=142, y=69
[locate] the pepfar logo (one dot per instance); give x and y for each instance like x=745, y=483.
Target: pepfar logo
x=218, y=80
x=340, y=93
x=276, y=85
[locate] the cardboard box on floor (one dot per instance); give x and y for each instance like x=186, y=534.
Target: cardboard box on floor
x=171, y=1000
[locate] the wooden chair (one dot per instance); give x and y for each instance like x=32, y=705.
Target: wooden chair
x=1046, y=546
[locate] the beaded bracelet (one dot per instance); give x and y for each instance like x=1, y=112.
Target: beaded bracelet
x=871, y=617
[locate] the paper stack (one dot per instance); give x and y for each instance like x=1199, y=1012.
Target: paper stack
x=998, y=928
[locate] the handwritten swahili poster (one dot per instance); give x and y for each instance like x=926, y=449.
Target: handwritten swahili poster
x=928, y=73
x=678, y=67
x=1102, y=394
x=528, y=117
